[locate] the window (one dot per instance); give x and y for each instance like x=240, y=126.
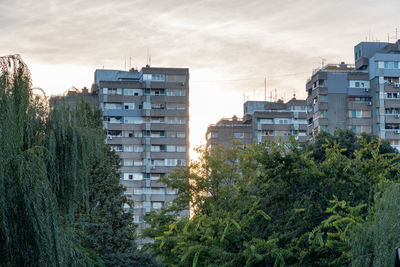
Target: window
x=391, y=65
x=114, y=133
x=267, y=133
x=355, y=114
x=158, y=77
x=157, y=162
x=137, y=148
x=116, y=148
x=133, y=92
x=155, y=148
x=214, y=135
x=174, y=162
x=129, y=105
x=171, y=134
x=112, y=91
x=180, y=148
x=324, y=114
x=156, y=119
x=175, y=106
x=323, y=98
x=146, y=77
x=394, y=142
x=133, y=176
x=176, y=120
x=133, y=120
x=171, y=148
x=157, y=92
x=136, y=219
x=156, y=134
x=112, y=105
x=180, y=134
x=113, y=119
x=157, y=106
x=157, y=205
x=128, y=148
x=176, y=92
x=357, y=84
x=238, y=135
x=127, y=162
x=266, y=121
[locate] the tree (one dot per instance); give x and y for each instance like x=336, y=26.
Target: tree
x=61, y=203
x=273, y=204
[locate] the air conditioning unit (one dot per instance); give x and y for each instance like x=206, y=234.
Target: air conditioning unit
x=366, y=89
x=398, y=116
x=397, y=131
x=397, y=85
x=109, y=137
x=369, y=103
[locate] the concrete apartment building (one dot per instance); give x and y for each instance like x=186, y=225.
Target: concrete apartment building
x=262, y=120
x=364, y=97
x=146, y=115
x=338, y=97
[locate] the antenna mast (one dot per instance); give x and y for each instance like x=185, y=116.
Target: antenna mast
x=148, y=57
x=265, y=88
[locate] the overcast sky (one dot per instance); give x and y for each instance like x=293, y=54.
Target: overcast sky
x=229, y=46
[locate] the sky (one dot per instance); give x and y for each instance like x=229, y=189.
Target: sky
x=229, y=46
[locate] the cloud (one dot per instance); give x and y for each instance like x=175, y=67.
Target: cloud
x=229, y=45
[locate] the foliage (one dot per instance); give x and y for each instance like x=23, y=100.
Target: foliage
x=61, y=202
x=276, y=204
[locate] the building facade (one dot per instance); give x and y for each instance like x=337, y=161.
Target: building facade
x=364, y=97
x=262, y=121
x=339, y=96
x=146, y=116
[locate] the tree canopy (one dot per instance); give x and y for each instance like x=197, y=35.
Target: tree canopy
x=61, y=202
x=283, y=205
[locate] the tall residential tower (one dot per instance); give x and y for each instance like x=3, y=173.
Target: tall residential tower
x=146, y=115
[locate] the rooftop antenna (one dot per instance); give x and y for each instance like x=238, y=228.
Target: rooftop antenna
x=276, y=95
x=130, y=62
x=265, y=88
x=323, y=60
x=294, y=93
x=148, y=57
x=388, y=38
x=125, y=64
x=270, y=96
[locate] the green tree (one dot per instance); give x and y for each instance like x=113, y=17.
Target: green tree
x=61, y=203
x=273, y=204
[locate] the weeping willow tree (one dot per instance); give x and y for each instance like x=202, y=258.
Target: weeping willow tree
x=29, y=218
x=43, y=175
x=61, y=203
